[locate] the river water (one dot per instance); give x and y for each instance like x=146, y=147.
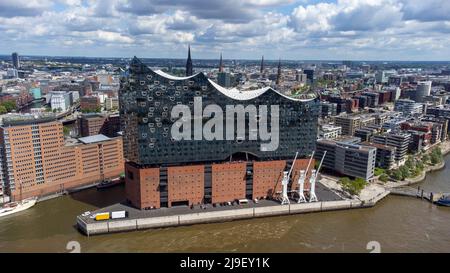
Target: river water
x=399, y=224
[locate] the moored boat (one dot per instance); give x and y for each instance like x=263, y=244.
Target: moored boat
x=444, y=201
x=109, y=183
x=14, y=207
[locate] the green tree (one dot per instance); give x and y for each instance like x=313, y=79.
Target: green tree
x=419, y=165
x=384, y=177
x=397, y=175
x=405, y=171
x=353, y=187
x=434, y=159
x=410, y=163
x=66, y=130
x=3, y=110
x=379, y=171
x=10, y=105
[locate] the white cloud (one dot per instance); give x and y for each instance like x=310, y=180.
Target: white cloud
x=246, y=28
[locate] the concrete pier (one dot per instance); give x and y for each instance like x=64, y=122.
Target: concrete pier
x=139, y=220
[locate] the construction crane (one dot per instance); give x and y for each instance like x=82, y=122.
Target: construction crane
x=301, y=182
x=312, y=181
x=285, y=182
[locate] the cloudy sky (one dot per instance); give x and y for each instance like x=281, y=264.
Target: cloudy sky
x=290, y=29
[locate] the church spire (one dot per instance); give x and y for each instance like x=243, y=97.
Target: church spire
x=279, y=72
x=189, y=69
x=262, y=65
x=220, y=63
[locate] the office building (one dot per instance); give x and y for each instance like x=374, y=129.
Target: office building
x=309, y=75
x=94, y=124
x=15, y=60
x=328, y=109
x=423, y=89
x=330, y=131
x=37, y=160
x=348, y=123
x=300, y=77
x=349, y=159
x=408, y=107
x=381, y=77
x=225, y=79
x=374, y=98
x=385, y=157
x=36, y=93
x=90, y=104
x=365, y=133
x=112, y=104
x=395, y=80
x=60, y=100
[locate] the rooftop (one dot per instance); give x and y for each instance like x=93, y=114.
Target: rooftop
x=379, y=146
x=93, y=139
x=26, y=119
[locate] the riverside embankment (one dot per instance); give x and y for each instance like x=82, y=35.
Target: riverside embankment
x=139, y=220
x=445, y=149
x=170, y=217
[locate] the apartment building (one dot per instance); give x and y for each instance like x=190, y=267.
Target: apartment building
x=399, y=140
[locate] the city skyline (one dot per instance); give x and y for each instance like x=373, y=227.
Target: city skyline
x=287, y=29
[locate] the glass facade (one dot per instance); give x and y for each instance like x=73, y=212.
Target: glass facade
x=146, y=99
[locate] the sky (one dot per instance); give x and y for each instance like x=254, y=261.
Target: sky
x=240, y=29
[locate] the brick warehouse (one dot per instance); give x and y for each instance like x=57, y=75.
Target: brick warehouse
x=37, y=160
x=161, y=172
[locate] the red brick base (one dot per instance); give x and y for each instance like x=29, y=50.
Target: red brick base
x=187, y=183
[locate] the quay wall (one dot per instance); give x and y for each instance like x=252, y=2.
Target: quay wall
x=119, y=225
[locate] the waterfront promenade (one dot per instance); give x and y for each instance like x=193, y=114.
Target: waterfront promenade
x=181, y=216
x=445, y=148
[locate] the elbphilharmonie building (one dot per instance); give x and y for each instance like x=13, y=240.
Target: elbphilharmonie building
x=164, y=170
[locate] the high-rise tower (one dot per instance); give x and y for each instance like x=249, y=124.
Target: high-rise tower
x=189, y=69
x=15, y=60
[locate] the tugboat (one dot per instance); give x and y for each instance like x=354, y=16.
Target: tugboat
x=108, y=183
x=444, y=201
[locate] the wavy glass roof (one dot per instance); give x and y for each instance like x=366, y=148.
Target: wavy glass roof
x=171, y=77
x=232, y=93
